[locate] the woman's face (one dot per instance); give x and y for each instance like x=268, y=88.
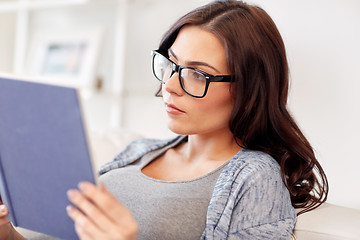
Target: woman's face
x=198, y=48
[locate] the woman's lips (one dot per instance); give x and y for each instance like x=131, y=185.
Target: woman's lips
x=172, y=109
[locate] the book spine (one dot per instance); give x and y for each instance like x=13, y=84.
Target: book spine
x=5, y=196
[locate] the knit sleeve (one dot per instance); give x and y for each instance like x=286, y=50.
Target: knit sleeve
x=263, y=208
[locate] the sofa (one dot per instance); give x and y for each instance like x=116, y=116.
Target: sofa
x=328, y=222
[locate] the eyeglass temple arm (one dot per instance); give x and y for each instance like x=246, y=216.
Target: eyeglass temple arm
x=225, y=78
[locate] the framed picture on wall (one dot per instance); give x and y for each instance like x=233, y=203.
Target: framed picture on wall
x=68, y=58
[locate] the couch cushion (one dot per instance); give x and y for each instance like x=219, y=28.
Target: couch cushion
x=106, y=144
x=329, y=222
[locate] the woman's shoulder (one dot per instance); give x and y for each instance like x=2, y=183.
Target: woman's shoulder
x=135, y=150
x=250, y=193
x=251, y=162
x=252, y=172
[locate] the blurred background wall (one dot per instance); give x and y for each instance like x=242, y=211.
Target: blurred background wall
x=322, y=40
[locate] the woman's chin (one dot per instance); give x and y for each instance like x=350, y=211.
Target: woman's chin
x=180, y=130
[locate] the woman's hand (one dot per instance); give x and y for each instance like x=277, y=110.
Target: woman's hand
x=4, y=222
x=100, y=215
x=6, y=229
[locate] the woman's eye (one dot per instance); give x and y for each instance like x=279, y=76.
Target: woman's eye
x=197, y=75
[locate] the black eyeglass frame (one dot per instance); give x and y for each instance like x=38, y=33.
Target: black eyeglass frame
x=178, y=68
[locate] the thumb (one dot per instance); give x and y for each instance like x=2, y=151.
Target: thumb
x=3, y=213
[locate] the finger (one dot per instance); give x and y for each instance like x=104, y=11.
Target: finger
x=89, y=209
x=3, y=214
x=81, y=233
x=3, y=211
x=84, y=227
x=105, y=201
x=126, y=225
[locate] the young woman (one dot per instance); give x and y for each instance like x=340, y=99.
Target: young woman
x=240, y=165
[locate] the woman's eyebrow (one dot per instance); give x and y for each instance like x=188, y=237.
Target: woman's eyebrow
x=172, y=53
x=194, y=63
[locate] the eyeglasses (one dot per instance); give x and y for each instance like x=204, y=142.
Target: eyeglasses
x=193, y=81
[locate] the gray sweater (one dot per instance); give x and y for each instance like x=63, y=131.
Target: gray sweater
x=249, y=200
x=164, y=210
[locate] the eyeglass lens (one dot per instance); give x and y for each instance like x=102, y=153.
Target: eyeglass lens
x=192, y=81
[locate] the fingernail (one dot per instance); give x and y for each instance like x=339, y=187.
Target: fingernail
x=71, y=194
x=69, y=209
x=3, y=209
x=83, y=186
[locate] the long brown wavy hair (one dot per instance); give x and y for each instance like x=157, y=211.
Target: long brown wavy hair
x=255, y=55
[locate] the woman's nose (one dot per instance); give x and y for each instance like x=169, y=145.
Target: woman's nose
x=172, y=85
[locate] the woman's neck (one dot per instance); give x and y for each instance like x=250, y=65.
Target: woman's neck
x=210, y=147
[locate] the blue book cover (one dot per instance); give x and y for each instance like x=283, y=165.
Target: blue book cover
x=43, y=153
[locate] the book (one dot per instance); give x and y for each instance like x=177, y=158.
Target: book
x=44, y=152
